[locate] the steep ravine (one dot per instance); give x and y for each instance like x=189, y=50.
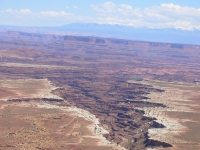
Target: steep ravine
x=126, y=124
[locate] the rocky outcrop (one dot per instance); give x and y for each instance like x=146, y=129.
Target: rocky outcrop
x=154, y=143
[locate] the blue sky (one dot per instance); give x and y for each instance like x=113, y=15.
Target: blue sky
x=182, y=14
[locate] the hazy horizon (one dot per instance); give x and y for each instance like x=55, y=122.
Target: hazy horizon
x=156, y=14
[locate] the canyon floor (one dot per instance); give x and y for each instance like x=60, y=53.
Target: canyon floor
x=86, y=93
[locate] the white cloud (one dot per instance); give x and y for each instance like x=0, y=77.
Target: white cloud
x=109, y=7
x=163, y=16
x=179, y=10
x=9, y=10
x=106, y=9
x=75, y=7
x=17, y=12
x=25, y=11
x=56, y=14
x=174, y=11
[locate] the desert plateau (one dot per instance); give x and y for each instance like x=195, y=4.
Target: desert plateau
x=66, y=92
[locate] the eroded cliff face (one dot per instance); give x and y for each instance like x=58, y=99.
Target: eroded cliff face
x=134, y=44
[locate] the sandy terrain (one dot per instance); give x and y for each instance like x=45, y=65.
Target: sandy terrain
x=29, y=88
x=95, y=127
x=31, y=125
x=37, y=66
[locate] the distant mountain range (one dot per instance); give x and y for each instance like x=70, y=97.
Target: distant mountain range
x=121, y=32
